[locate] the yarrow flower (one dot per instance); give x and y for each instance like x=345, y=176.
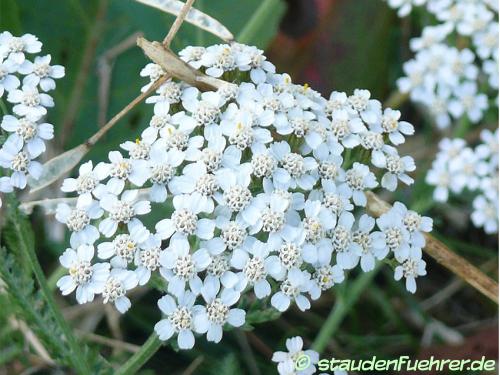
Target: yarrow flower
x=24, y=83
x=458, y=168
x=448, y=79
x=287, y=361
x=252, y=194
x=297, y=360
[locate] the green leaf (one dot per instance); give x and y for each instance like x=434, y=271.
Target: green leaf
x=263, y=24
x=20, y=240
x=17, y=233
x=31, y=307
x=57, y=167
x=194, y=16
x=260, y=316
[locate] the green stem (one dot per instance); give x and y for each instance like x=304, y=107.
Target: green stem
x=343, y=305
x=148, y=349
x=80, y=366
x=258, y=20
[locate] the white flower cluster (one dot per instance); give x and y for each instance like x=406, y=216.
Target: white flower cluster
x=444, y=76
x=264, y=181
x=459, y=168
x=26, y=127
x=297, y=361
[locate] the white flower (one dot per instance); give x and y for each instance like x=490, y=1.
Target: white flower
x=78, y=219
x=29, y=102
x=397, y=237
x=116, y=287
x=329, y=159
x=178, y=319
x=192, y=55
x=185, y=219
x=196, y=181
x=13, y=156
x=346, y=127
x=271, y=217
x=219, y=270
x=410, y=269
x=439, y=176
x=317, y=220
x=431, y=35
x=138, y=150
x=370, y=110
x=485, y=214
x=88, y=180
x=121, y=210
x=169, y=93
x=287, y=360
x=343, y=243
x=253, y=261
x=162, y=164
x=8, y=81
x=324, y=277
x=147, y=259
x=295, y=170
x=32, y=134
x=337, y=102
x=239, y=125
x=466, y=169
x=217, y=312
x=356, y=180
x=489, y=147
x=415, y=224
x=393, y=127
x=215, y=154
x=179, y=266
x=259, y=66
x=88, y=279
x=204, y=107
x=293, y=288
x=396, y=167
x=291, y=254
x=120, y=170
x=180, y=139
x=14, y=47
x=333, y=199
x=153, y=72
x=217, y=59
x=371, y=244
x=468, y=101
x=236, y=196
x=413, y=81
x=160, y=120
x=40, y=72
x=124, y=247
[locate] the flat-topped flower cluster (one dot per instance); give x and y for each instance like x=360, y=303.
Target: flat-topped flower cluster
x=24, y=84
x=454, y=73
x=265, y=182
x=458, y=168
